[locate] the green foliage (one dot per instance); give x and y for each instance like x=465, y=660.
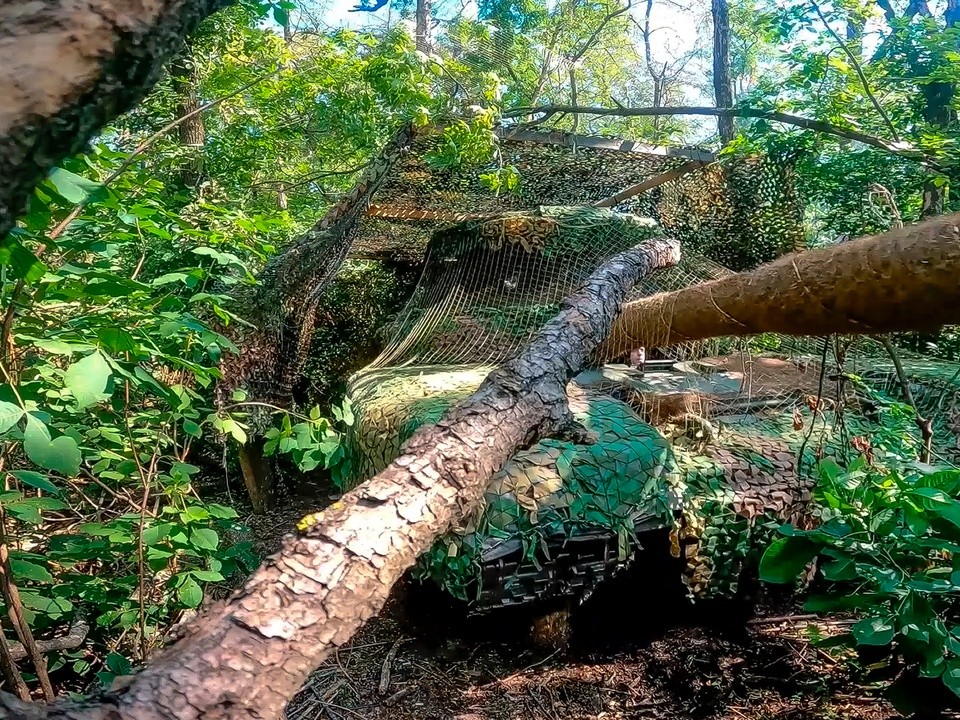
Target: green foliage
x=313, y=441
x=887, y=544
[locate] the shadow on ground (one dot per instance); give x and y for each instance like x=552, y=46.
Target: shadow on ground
x=639, y=650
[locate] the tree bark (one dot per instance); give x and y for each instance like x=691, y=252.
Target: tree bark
x=69, y=68
x=247, y=657
x=722, y=88
x=424, y=16
x=904, y=279
x=192, y=132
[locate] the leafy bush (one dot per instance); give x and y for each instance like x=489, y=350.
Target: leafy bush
x=888, y=546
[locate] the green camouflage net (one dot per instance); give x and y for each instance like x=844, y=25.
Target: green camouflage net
x=703, y=440
x=739, y=211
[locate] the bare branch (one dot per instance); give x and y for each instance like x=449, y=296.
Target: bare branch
x=902, y=149
x=859, y=70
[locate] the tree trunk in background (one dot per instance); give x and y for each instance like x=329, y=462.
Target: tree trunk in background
x=723, y=90
x=904, y=279
x=183, y=72
x=107, y=56
x=424, y=16
x=246, y=658
x=656, y=75
x=938, y=111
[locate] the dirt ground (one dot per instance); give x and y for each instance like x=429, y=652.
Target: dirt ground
x=639, y=650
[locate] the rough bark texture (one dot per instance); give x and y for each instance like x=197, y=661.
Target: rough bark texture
x=192, y=131
x=722, y=87
x=68, y=68
x=904, y=279
x=423, y=19
x=247, y=657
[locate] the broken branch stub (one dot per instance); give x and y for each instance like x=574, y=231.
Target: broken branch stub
x=247, y=657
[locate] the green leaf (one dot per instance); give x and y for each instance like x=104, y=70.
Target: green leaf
x=207, y=575
x=951, y=676
x=35, y=480
x=191, y=428
x=20, y=260
x=874, y=631
x=30, y=571
x=117, y=340
x=221, y=511
x=10, y=415
x=205, y=539
x=118, y=664
x=61, y=455
x=155, y=533
x=87, y=380
x=190, y=593
x=786, y=558
x=53, y=607
x=229, y=426
x=75, y=188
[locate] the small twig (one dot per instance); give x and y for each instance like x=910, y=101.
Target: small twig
x=10, y=671
x=347, y=678
x=781, y=618
x=385, y=670
x=399, y=695
x=813, y=419
x=11, y=597
x=925, y=425
x=145, y=478
x=859, y=70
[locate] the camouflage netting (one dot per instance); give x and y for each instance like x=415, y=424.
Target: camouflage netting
x=738, y=211
x=412, y=190
x=705, y=440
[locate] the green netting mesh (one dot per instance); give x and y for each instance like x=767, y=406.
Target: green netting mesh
x=739, y=211
x=708, y=432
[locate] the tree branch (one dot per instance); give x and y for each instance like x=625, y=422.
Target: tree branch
x=903, y=150
x=904, y=279
x=859, y=70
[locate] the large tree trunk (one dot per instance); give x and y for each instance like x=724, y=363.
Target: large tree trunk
x=69, y=68
x=722, y=87
x=247, y=658
x=905, y=279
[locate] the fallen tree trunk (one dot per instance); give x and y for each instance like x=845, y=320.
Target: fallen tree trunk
x=69, y=68
x=248, y=657
x=904, y=279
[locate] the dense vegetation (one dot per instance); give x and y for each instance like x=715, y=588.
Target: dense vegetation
x=122, y=288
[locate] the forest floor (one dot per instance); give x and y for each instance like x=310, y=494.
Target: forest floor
x=639, y=650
